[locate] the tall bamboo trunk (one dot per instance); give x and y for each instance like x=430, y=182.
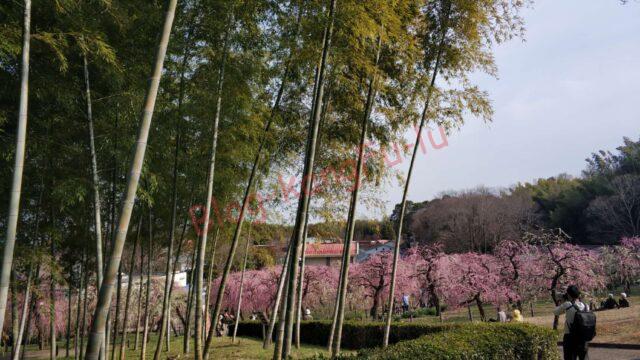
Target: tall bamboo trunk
x=207, y=296
x=85, y=305
x=139, y=312
x=24, y=316
x=127, y=302
x=76, y=345
x=97, y=205
x=247, y=193
x=403, y=206
x=116, y=318
x=16, y=185
x=32, y=309
x=277, y=348
x=173, y=273
x=305, y=190
x=52, y=307
x=207, y=213
x=67, y=347
x=276, y=304
x=147, y=311
x=341, y=295
x=164, y=319
x=301, y=278
x=239, y=304
x=190, y=300
x=106, y=289
x=15, y=320
x=334, y=318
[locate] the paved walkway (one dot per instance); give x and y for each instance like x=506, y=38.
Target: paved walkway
x=611, y=354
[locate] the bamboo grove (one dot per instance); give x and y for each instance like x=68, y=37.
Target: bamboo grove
x=122, y=122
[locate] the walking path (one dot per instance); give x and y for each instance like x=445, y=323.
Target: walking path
x=611, y=354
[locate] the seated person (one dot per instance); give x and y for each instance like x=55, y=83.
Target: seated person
x=516, y=316
x=307, y=314
x=610, y=303
x=623, y=302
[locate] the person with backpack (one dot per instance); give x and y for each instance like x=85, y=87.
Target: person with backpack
x=579, y=325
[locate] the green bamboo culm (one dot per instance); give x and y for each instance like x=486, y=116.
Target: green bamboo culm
x=341, y=296
x=298, y=233
x=18, y=168
x=99, y=322
x=446, y=9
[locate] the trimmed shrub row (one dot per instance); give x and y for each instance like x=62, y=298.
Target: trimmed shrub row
x=474, y=341
x=355, y=335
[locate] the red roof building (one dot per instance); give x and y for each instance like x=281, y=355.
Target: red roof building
x=328, y=254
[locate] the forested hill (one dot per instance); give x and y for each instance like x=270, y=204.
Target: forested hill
x=599, y=207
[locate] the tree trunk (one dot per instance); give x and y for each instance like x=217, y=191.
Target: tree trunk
x=190, y=300
x=32, y=309
x=174, y=205
x=301, y=276
x=341, y=296
x=403, y=206
x=173, y=273
x=116, y=318
x=15, y=320
x=469, y=312
x=139, y=313
x=199, y=352
x=207, y=296
x=76, y=345
x=276, y=304
x=24, y=316
x=239, y=305
x=83, y=351
x=127, y=301
x=97, y=205
x=52, y=307
x=16, y=185
x=247, y=193
x=106, y=289
x=277, y=348
x=147, y=311
x=68, y=340
x=305, y=189
x=480, y=309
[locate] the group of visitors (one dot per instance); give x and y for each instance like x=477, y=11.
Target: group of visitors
x=515, y=315
x=225, y=319
x=611, y=303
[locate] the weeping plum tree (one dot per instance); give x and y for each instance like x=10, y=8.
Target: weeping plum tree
x=99, y=322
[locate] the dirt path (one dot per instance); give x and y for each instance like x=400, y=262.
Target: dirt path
x=617, y=326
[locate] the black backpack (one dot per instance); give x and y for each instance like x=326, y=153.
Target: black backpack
x=584, y=325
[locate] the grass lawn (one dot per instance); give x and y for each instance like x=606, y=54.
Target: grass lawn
x=244, y=348
x=620, y=326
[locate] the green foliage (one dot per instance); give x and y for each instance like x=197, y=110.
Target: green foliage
x=475, y=341
x=422, y=312
x=355, y=335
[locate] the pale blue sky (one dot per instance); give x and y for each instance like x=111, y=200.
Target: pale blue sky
x=571, y=88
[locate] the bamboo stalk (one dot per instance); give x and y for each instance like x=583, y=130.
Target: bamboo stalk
x=18, y=168
x=99, y=322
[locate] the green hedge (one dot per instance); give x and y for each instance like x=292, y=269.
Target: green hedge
x=474, y=341
x=355, y=335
